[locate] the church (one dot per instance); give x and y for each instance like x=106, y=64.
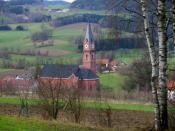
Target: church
x=74, y=75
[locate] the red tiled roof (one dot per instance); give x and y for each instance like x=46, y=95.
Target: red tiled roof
x=102, y=61
x=114, y=62
x=171, y=84
x=107, y=61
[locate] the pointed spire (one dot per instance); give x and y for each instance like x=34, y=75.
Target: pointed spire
x=89, y=34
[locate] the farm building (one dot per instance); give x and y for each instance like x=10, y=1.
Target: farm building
x=171, y=90
x=13, y=85
x=107, y=65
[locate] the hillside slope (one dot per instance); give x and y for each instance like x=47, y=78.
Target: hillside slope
x=56, y=2
x=90, y=4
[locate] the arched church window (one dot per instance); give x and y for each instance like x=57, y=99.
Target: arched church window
x=92, y=56
x=86, y=56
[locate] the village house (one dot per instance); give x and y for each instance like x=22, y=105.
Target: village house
x=107, y=65
x=171, y=90
x=13, y=85
x=74, y=75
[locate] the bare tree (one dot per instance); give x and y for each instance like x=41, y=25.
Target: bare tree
x=51, y=96
x=2, y=9
x=23, y=94
x=74, y=97
x=74, y=103
x=108, y=115
x=152, y=53
x=173, y=10
x=162, y=37
x=1, y=88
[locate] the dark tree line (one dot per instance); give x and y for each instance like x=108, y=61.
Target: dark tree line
x=114, y=44
x=91, y=5
x=18, y=9
x=24, y=2
x=92, y=18
x=15, y=6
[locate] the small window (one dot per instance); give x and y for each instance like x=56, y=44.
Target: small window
x=92, y=56
x=86, y=57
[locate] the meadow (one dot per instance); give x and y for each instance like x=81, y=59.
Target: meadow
x=13, y=123
x=111, y=81
x=90, y=104
x=63, y=45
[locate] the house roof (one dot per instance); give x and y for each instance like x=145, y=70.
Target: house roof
x=86, y=74
x=65, y=71
x=58, y=71
x=102, y=61
x=115, y=62
x=107, y=61
x=89, y=34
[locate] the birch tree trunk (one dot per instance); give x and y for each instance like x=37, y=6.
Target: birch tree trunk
x=162, y=37
x=152, y=53
x=174, y=21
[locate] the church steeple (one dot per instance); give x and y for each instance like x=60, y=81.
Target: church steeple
x=89, y=55
x=89, y=35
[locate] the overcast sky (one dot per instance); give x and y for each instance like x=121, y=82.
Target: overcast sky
x=69, y=0
x=51, y=0
x=66, y=0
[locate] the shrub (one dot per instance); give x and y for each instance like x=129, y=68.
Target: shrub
x=17, y=9
x=20, y=28
x=139, y=76
x=5, y=28
x=41, y=36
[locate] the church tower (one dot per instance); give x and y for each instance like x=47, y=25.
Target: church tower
x=89, y=54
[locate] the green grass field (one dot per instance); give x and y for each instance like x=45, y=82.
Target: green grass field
x=111, y=81
x=12, y=123
x=58, y=6
x=94, y=105
x=88, y=104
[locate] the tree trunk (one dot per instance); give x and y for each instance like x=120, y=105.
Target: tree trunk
x=174, y=21
x=154, y=64
x=162, y=37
